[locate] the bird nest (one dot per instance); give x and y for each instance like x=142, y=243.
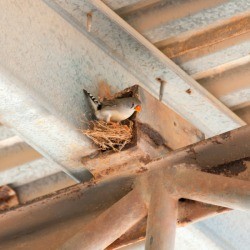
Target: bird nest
x=110, y=136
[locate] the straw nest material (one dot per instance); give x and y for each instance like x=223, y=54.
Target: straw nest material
x=110, y=136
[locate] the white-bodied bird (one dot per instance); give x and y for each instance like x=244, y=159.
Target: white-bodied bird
x=114, y=110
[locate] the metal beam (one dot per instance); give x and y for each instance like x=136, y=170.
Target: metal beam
x=217, y=58
x=212, y=155
x=162, y=216
x=116, y=5
x=182, y=181
x=189, y=212
x=118, y=39
x=244, y=113
x=40, y=128
x=14, y=151
x=209, y=154
x=196, y=20
x=159, y=16
x=110, y=225
x=213, y=71
x=207, y=36
x=57, y=119
x=178, y=181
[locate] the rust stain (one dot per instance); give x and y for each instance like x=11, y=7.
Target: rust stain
x=145, y=159
x=141, y=170
x=192, y=152
x=215, y=141
x=229, y=169
x=184, y=221
x=161, y=81
x=89, y=21
x=205, y=37
x=189, y=91
x=152, y=134
x=226, y=135
x=8, y=198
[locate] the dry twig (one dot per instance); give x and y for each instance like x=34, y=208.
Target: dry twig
x=110, y=135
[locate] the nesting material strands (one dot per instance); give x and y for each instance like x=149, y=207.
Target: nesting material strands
x=110, y=136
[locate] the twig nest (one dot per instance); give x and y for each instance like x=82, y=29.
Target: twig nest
x=110, y=136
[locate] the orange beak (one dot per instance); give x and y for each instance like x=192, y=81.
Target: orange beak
x=138, y=108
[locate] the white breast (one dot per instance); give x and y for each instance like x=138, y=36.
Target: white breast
x=114, y=115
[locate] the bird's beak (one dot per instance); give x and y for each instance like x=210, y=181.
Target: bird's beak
x=138, y=108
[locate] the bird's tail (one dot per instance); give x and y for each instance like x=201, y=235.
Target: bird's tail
x=94, y=102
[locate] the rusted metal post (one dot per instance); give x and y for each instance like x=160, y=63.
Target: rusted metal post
x=184, y=181
x=162, y=216
x=110, y=225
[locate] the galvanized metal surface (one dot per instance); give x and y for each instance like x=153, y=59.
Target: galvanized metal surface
x=111, y=33
x=216, y=59
x=14, y=151
x=42, y=130
x=53, y=115
x=197, y=19
x=235, y=99
x=38, y=55
x=29, y=172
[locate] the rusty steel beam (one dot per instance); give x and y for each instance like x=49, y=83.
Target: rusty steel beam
x=162, y=217
x=62, y=214
x=188, y=212
x=226, y=154
x=110, y=225
x=184, y=182
x=170, y=184
x=199, y=39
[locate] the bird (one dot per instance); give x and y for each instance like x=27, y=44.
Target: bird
x=115, y=110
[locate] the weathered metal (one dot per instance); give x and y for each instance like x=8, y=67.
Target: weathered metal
x=110, y=225
x=182, y=181
x=205, y=37
x=63, y=214
x=217, y=58
x=111, y=39
x=147, y=19
x=168, y=185
x=226, y=154
x=188, y=212
x=8, y=198
x=77, y=205
x=14, y=151
x=211, y=13
x=59, y=105
x=141, y=60
x=42, y=130
x=162, y=215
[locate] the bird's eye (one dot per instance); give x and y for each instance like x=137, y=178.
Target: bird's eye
x=132, y=105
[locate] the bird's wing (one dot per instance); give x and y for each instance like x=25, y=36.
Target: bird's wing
x=109, y=103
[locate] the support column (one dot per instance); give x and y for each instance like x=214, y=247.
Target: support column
x=162, y=216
